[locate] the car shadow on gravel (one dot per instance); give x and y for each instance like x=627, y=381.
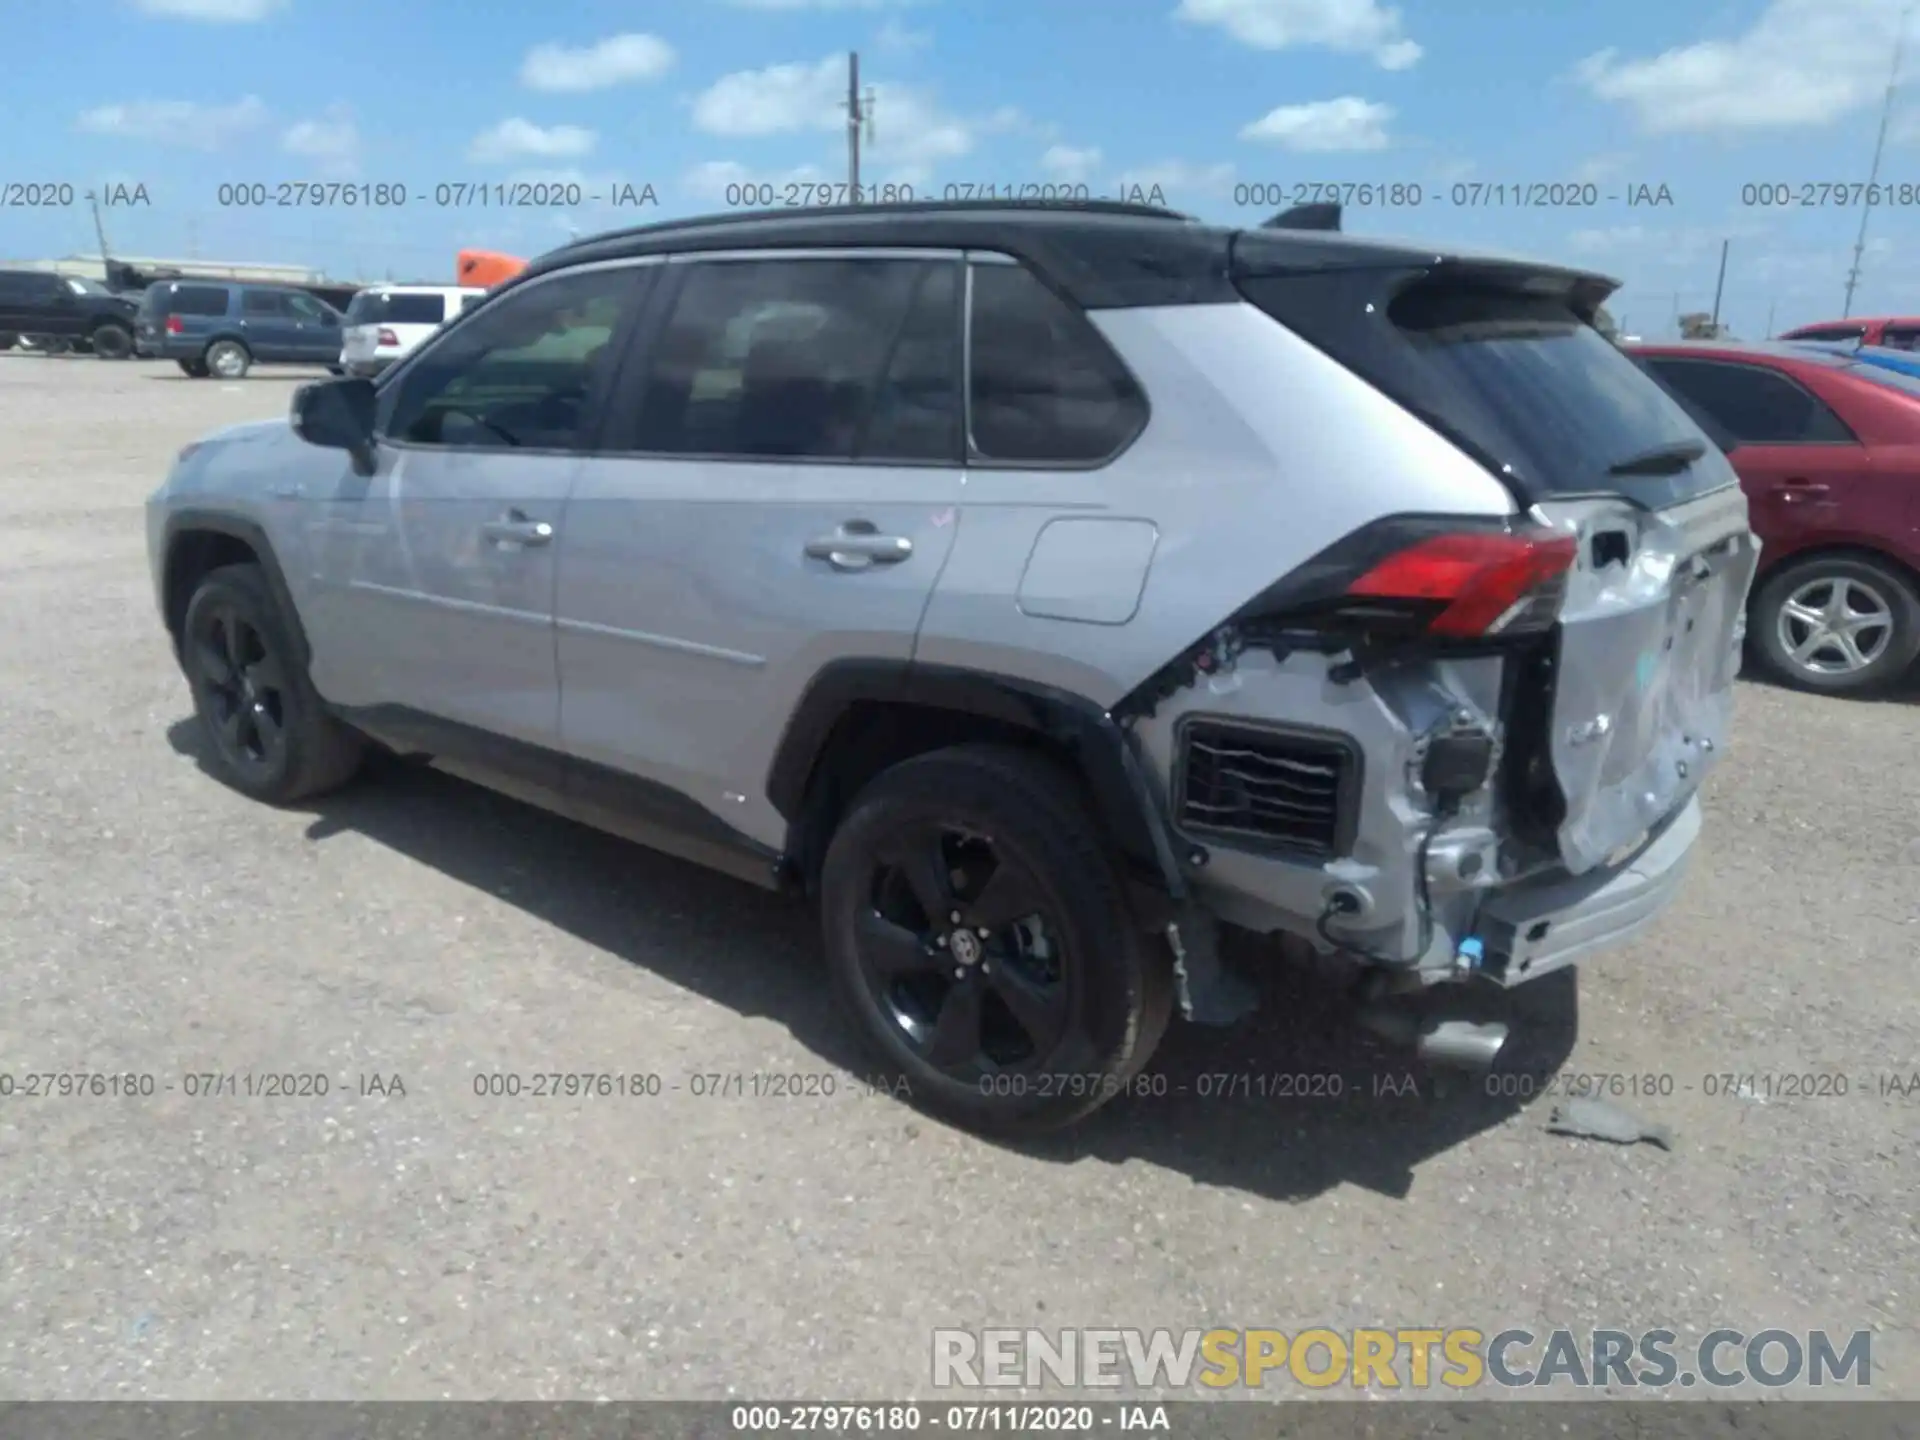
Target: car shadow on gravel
x=1293, y=1102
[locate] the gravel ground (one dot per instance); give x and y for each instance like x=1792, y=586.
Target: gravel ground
x=436, y=1243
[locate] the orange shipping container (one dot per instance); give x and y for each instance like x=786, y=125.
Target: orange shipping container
x=487, y=268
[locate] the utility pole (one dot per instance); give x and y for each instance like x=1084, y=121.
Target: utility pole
x=859, y=117
x=1720, y=285
x=99, y=229
x=1879, y=145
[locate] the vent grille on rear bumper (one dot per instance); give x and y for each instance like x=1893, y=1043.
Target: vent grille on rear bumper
x=1267, y=789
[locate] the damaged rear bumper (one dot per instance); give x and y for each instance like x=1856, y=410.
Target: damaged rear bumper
x=1536, y=927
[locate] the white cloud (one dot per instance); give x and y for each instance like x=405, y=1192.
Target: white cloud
x=1355, y=27
x=1325, y=126
x=1804, y=62
x=186, y=123
x=519, y=139
x=1064, y=162
x=229, y=12
x=331, y=142
x=911, y=133
x=774, y=101
x=1599, y=167
x=896, y=39
x=617, y=60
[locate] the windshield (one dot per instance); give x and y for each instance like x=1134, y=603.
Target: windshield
x=82, y=286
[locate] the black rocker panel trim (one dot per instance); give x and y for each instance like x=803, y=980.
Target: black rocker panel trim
x=633, y=808
x=1101, y=750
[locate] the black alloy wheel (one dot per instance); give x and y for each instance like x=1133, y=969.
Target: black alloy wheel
x=269, y=733
x=978, y=929
x=243, y=691
x=961, y=956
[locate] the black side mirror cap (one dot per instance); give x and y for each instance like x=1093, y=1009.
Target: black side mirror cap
x=337, y=415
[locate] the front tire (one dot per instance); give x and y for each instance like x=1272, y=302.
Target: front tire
x=193, y=369
x=1043, y=999
x=266, y=730
x=112, y=342
x=228, y=359
x=1836, y=624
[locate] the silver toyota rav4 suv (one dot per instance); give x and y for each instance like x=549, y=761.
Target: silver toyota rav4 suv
x=1038, y=588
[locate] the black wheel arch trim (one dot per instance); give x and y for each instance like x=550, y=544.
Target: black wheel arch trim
x=183, y=523
x=1104, y=751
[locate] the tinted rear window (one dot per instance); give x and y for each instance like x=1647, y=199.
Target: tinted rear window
x=169, y=298
x=373, y=307
x=1520, y=381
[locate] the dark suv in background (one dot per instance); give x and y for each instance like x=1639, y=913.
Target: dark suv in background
x=224, y=329
x=62, y=312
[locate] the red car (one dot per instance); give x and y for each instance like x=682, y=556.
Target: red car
x=1896, y=332
x=1828, y=451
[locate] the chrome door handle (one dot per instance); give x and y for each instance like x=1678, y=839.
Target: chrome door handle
x=514, y=528
x=856, y=546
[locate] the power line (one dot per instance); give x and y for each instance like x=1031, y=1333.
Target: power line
x=1879, y=145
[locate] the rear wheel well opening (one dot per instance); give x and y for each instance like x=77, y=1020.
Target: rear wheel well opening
x=193, y=556
x=875, y=735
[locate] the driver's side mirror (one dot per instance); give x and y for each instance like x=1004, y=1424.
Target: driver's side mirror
x=337, y=415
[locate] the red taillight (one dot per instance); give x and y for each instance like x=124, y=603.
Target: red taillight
x=386, y=337
x=175, y=325
x=1481, y=583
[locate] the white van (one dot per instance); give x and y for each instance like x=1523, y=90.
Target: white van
x=387, y=322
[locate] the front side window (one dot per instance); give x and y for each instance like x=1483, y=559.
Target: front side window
x=828, y=359
x=518, y=376
x=1901, y=337
x=1043, y=387
x=1757, y=406
x=305, y=307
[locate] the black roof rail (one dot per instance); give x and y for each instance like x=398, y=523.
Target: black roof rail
x=1318, y=216
x=889, y=209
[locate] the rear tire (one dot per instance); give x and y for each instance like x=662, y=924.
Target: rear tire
x=7, y=340
x=1836, y=624
x=228, y=360
x=111, y=341
x=267, y=733
x=1047, y=1015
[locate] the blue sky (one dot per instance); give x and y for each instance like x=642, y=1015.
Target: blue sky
x=1199, y=98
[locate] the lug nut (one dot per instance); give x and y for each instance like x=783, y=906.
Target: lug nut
x=954, y=918
x=941, y=941
x=960, y=973
x=984, y=933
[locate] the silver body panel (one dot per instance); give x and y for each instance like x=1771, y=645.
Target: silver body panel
x=677, y=610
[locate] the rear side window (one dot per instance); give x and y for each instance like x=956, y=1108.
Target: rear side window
x=1756, y=405
x=262, y=302
x=830, y=359
x=416, y=309
x=1827, y=332
x=19, y=286
x=1521, y=381
x=194, y=300
x=1901, y=337
x=1043, y=386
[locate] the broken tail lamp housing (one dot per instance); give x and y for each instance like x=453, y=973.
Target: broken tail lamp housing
x=1445, y=579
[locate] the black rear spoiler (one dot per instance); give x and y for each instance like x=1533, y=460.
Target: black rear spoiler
x=1321, y=216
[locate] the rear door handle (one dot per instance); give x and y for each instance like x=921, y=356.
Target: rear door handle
x=858, y=546
x=1795, y=492
x=516, y=528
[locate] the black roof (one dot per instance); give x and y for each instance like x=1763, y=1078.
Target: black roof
x=1101, y=254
